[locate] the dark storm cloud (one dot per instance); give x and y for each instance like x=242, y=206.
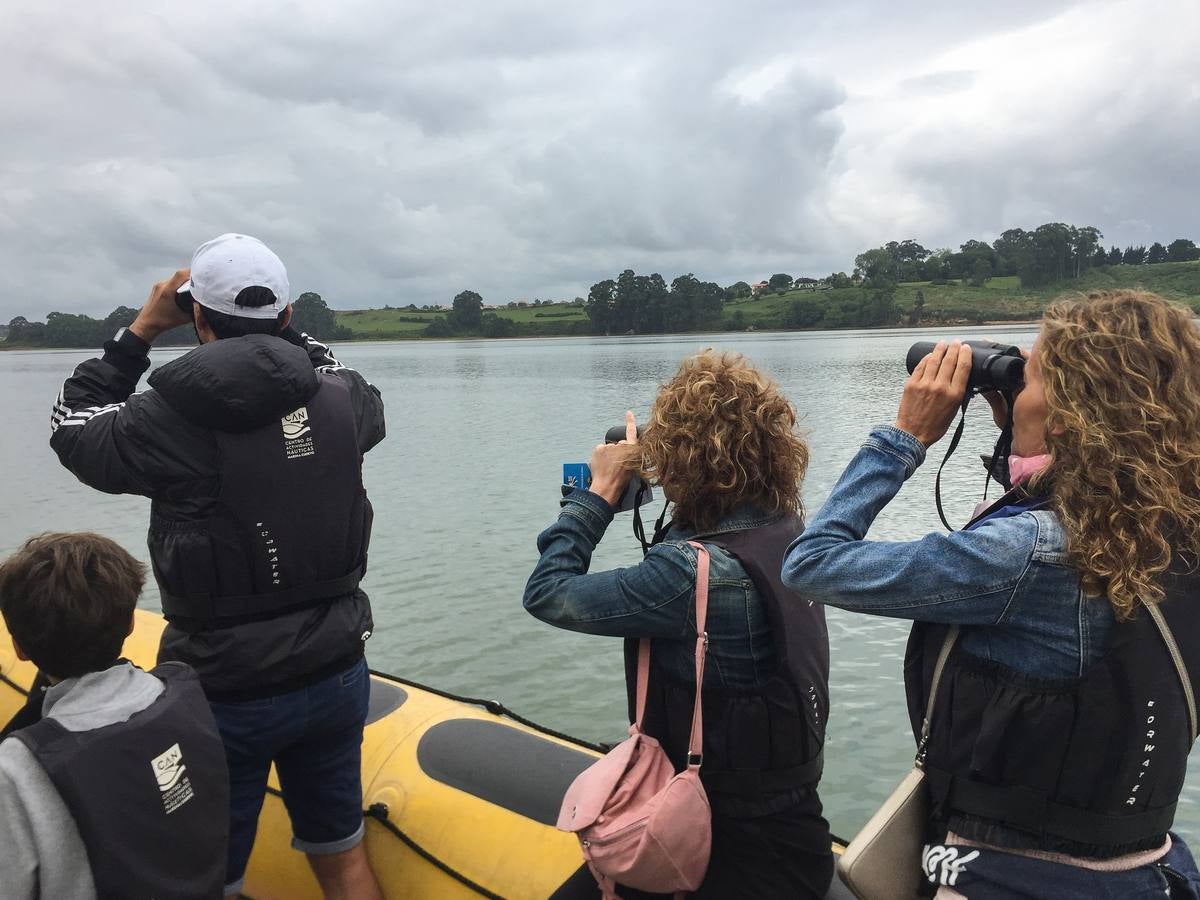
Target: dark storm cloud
x=397, y=153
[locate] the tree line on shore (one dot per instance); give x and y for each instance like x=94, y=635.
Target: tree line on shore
x=466, y=317
x=645, y=304
x=1049, y=253
x=309, y=313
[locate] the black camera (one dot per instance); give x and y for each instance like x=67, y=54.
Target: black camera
x=617, y=433
x=994, y=367
x=638, y=493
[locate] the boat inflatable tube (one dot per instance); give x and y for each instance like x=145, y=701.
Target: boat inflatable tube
x=461, y=799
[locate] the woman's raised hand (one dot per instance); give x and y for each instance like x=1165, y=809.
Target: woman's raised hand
x=934, y=392
x=610, y=464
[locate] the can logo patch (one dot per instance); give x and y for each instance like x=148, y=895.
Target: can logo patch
x=297, y=434
x=173, y=783
x=295, y=424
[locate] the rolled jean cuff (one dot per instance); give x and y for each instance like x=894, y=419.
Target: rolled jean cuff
x=328, y=848
x=234, y=887
x=899, y=444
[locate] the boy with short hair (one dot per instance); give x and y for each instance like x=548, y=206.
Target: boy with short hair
x=121, y=789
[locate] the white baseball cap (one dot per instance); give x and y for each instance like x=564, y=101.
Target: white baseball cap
x=225, y=269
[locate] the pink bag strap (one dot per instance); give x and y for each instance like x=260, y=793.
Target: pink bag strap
x=696, y=740
x=643, y=679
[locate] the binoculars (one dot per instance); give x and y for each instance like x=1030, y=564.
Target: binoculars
x=994, y=367
x=183, y=299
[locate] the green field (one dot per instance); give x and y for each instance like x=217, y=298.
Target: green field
x=557, y=312
x=392, y=324
x=376, y=324
x=1001, y=299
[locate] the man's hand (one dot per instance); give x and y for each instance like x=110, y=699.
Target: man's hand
x=610, y=474
x=160, y=313
x=934, y=392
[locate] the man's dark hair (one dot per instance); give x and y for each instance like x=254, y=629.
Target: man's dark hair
x=68, y=601
x=224, y=325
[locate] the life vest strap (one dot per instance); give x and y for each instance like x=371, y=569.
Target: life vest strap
x=1033, y=811
x=766, y=780
x=230, y=608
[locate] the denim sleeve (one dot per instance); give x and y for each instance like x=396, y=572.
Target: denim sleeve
x=964, y=577
x=638, y=601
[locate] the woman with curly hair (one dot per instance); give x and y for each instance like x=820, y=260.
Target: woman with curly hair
x=722, y=445
x=1059, y=618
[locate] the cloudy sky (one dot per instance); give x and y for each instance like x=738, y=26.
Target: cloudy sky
x=397, y=152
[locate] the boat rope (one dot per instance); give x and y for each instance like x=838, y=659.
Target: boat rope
x=379, y=812
x=12, y=684
x=495, y=707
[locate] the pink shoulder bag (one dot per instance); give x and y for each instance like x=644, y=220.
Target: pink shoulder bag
x=640, y=824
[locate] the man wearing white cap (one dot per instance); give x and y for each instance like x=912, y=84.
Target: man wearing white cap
x=250, y=448
x=238, y=278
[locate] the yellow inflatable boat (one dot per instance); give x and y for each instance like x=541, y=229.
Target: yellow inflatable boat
x=461, y=798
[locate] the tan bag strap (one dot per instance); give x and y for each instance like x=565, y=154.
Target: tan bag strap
x=947, y=646
x=1176, y=657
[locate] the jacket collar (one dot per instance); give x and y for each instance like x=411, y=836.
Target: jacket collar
x=742, y=518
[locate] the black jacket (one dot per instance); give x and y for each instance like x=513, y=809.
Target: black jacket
x=163, y=444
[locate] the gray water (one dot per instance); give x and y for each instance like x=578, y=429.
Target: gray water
x=469, y=474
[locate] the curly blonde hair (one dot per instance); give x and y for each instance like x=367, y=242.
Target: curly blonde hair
x=721, y=434
x=1122, y=385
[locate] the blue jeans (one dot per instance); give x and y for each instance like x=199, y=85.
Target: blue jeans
x=984, y=874
x=314, y=737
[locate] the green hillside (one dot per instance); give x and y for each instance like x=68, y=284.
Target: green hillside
x=1000, y=299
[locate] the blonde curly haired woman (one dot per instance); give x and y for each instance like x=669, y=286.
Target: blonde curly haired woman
x=1065, y=710
x=722, y=445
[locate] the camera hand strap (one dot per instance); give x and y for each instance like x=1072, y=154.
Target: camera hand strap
x=639, y=530
x=937, y=485
x=1002, y=450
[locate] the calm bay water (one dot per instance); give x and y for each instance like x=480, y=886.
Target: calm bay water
x=469, y=473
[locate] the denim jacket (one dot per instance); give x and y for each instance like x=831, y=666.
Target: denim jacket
x=655, y=598
x=1009, y=573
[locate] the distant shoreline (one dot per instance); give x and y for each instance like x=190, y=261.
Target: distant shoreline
x=952, y=305
x=997, y=323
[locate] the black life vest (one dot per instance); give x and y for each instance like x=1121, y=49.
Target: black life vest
x=1088, y=766
x=759, y=745
x=290, y=527
x=150, y=795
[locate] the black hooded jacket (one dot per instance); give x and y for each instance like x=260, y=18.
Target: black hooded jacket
x=166, y=443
